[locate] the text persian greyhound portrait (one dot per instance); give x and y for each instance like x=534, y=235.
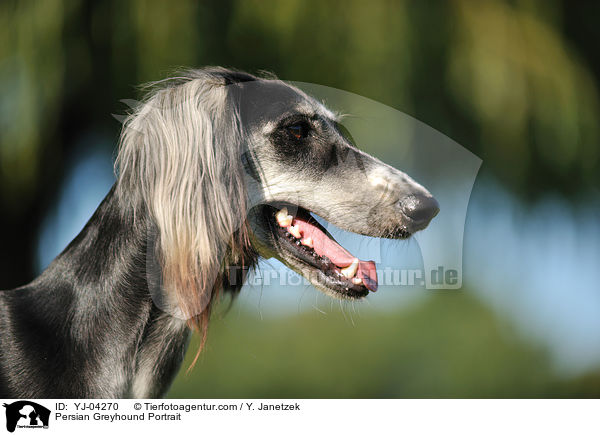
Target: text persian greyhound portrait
x=215, y=168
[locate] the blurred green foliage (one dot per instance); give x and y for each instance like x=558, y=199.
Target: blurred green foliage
x=451, y=346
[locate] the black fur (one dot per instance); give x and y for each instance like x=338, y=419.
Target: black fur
x=82, y=327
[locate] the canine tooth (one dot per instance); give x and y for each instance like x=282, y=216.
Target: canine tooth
x=295, y=231
x=356, y=281
x=283, y=218
x=350, y=271
x=307, y=241
x=282, y=213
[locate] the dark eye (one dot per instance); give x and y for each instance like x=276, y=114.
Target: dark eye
x=299, y=130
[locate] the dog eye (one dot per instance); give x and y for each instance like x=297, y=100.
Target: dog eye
x=299, y=130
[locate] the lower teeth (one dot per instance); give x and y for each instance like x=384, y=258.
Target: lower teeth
x=326, y=260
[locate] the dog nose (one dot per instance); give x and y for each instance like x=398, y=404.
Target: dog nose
x=420, y=208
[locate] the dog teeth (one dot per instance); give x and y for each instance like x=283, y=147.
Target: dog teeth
x=295, y=231
x=307, y=241
x=283, y=218
x=350, y=271
x=356, y=281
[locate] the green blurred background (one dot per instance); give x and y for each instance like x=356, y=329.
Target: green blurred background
x=515, y=82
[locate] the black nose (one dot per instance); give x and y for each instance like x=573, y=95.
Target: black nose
x=420, y=208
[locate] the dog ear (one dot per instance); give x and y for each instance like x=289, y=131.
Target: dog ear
x=179, y=157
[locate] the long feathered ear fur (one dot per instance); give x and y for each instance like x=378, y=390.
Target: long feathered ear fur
x=179, y=159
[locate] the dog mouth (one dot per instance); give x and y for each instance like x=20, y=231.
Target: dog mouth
x=307, y=247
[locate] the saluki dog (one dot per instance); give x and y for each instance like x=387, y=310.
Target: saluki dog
x=215, y=168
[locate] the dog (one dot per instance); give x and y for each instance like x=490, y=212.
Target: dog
x=215, y=168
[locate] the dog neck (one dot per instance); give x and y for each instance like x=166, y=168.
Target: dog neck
x=88, y=326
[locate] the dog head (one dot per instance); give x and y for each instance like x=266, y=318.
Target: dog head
x=301, y=162
x=228, y=165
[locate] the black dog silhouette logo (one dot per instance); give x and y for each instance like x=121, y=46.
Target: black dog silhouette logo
x=26, y=414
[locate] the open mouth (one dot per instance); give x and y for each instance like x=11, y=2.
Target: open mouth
x=310, y=250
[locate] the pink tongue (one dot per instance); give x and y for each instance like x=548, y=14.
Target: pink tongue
x=327, y=247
